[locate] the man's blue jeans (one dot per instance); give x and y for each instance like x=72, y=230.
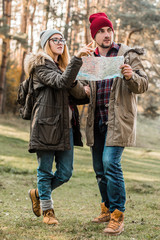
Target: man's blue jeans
x=47, y=181
x=107, y=166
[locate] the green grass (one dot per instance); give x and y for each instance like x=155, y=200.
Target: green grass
x=148, y=132
x=77, y=202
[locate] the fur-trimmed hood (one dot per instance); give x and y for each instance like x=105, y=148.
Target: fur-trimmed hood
x=124, y=50
x=32, y=60
x=138, y=50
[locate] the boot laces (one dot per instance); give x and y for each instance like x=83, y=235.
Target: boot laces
x=113, y=223
x=36, y=205
x=50, y=213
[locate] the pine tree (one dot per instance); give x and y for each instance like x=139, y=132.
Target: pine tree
x=5, y=46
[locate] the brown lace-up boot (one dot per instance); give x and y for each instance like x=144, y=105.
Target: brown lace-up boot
x=49, y=217
x=104, y=215
x=116, y=224
x=33, y=194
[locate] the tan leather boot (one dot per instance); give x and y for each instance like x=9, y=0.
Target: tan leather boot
x=33, y=194
x=116, y=223
x=104, y=215
x=49, y=217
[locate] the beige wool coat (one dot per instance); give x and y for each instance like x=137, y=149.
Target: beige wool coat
x=122, y=107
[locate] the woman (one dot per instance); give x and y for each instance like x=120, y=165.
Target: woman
x=52, y=123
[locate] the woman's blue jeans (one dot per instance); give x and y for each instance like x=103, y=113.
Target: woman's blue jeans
x=107, y=166
x=47, y=181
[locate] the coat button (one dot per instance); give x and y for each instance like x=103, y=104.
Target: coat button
x=127, y=60
x=107, y=105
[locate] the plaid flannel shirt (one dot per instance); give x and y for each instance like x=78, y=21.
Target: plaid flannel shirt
x=104, y=88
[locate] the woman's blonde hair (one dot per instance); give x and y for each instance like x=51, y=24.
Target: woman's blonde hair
x=63, y=59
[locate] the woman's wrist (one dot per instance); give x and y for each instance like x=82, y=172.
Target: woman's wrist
x=78, y=55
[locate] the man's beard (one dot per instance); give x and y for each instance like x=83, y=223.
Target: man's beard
x=103, y=46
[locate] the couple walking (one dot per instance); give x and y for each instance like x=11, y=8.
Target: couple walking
x=111, y=123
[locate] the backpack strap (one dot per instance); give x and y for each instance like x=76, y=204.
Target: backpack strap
x=30, y=86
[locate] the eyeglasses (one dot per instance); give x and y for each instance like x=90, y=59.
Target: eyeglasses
x=57, y=41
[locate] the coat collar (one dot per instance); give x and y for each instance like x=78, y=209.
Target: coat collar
x=32, y=60
x=124, y=50
x=113, y=45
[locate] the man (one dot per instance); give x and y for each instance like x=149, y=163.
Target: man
x=111, y=123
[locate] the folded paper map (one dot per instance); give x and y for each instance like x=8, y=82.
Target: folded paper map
x=100, y=68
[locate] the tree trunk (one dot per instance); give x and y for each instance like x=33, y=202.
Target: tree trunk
x=5, y=53
x=117, y=30
x=127, y=40
x=86, y=22
x=118, y=24
x=43, y=26
x=46, y=13
x=31, y=23
x=24, y=29
x=68, y=17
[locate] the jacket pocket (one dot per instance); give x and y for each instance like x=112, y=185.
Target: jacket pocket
x=49, y=130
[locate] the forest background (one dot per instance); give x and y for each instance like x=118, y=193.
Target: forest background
x=136, y=23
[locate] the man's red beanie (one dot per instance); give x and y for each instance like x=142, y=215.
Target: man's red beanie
x=99, y=20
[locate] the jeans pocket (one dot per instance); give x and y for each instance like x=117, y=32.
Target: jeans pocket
x=49, y=130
